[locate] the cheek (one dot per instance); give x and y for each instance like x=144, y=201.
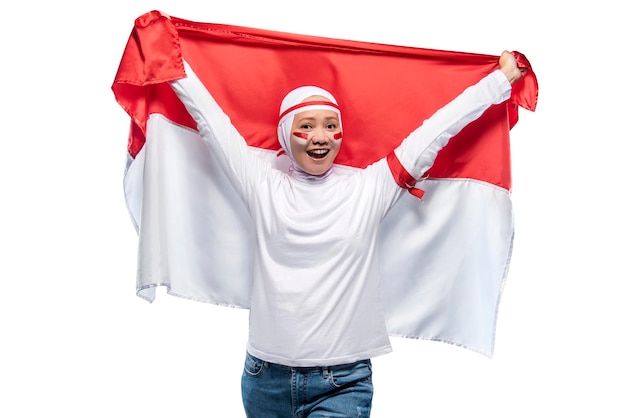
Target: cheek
x=336, y=142
x=300, y=138
x=297, y=144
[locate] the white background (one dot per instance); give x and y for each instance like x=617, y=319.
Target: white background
x=75, y=341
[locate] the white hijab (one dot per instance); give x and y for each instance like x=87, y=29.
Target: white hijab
x=287, y=112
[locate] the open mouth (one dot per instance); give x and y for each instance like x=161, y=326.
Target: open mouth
x=318, y=153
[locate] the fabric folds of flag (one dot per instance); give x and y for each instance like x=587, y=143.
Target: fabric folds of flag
x=443, y=260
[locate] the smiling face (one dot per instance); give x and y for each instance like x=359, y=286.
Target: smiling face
x=315, y=138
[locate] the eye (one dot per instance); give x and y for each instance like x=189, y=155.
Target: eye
x=306, y=126
x=331, y=126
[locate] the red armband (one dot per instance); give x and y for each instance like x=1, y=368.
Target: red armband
x=402, y=177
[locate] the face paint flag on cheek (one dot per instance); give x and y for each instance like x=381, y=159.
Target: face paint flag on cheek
x=301, y=135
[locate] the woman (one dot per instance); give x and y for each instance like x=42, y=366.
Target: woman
x=316, y=317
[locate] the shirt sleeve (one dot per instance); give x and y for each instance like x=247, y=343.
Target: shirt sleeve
x=418, y=151
x=215, y=127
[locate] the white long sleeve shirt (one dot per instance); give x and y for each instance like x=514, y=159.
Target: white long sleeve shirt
x=315, y=296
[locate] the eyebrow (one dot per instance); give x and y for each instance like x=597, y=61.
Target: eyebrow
x=335, y=118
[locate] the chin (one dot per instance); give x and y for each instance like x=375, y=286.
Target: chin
x=316, y=171
x=314, y=168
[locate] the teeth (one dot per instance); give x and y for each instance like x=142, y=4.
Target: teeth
x=319, y=151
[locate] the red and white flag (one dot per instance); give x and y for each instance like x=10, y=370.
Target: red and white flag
x=443, y=259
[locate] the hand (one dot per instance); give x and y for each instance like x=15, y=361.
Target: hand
x=508, y=65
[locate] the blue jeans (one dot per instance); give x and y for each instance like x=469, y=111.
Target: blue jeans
x=272, y=390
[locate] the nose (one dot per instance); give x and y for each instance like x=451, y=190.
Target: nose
x=320, y=136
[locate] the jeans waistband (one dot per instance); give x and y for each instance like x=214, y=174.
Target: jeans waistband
x=309, y=368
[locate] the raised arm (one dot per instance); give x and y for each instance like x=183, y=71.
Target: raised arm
x=417, y=153
x=217, y=130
